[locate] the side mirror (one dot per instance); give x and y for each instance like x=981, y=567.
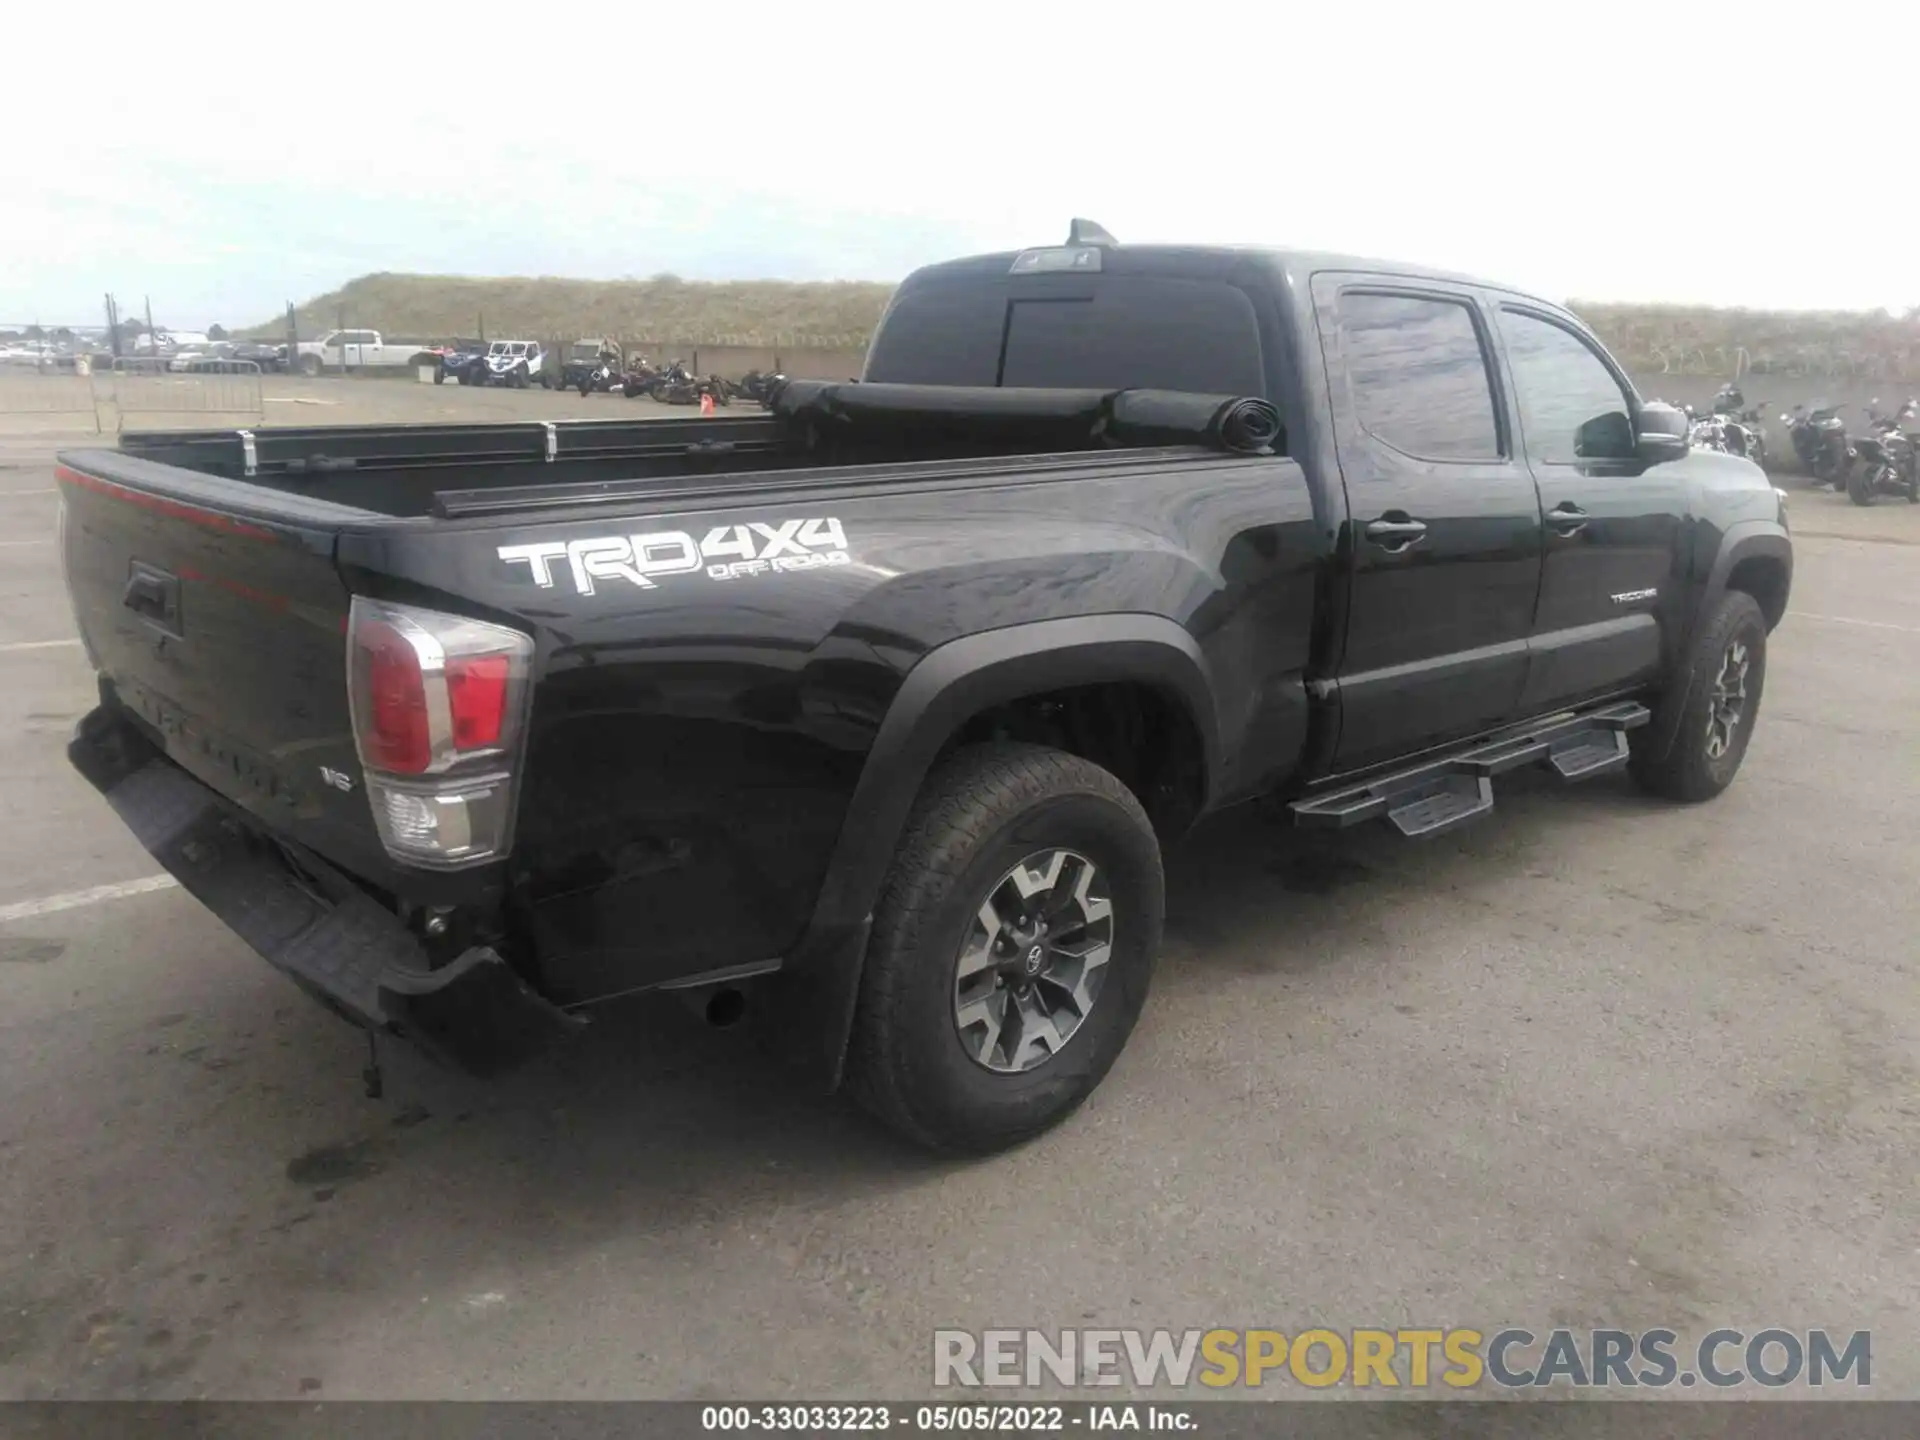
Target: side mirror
x=1660, y=433
x=1605, y=437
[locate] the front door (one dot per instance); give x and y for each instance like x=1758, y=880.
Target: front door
x=1613, y=522
x=1444, y=542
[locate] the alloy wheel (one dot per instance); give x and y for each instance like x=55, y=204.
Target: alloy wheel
x=1033, y=962
x=1727, y=701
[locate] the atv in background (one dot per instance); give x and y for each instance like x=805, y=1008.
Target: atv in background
x=594, y=363
x=463, y=361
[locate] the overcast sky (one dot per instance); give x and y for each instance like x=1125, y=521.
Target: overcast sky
x=1600, y=151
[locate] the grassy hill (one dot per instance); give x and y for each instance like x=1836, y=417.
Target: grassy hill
x=832, y=314
x=841, y=314
x=1816, y=344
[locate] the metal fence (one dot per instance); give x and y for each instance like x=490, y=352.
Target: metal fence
x=148, y=390
x=137, y=393
x=30, y=401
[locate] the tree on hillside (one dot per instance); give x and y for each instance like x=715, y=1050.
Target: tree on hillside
x=216, y=332
x=63, y=333
x=34, y=332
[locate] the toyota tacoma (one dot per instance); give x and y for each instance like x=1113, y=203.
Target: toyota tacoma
x=874, y=712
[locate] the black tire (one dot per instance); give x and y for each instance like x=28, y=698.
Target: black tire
x=440, y=376
x=979, y=815
x=1860, y=486
x=310, y=366
x=1671, y=756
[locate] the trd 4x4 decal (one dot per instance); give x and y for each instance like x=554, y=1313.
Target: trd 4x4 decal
x=728, y=552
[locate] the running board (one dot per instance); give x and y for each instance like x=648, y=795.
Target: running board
x=1441, y=795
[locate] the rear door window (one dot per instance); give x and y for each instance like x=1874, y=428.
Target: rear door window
x=1418, y=373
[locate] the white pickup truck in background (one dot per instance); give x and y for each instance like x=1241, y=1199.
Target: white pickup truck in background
x=357, y=350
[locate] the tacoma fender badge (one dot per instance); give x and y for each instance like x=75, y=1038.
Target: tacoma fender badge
x=1628, y=597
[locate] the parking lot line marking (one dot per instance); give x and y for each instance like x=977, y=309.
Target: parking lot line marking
x=1849, y=620
x=45, y=490
x=35, y=644
x=74, y=899
x=15, y=544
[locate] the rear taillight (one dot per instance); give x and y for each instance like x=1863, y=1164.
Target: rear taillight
x=438, y=705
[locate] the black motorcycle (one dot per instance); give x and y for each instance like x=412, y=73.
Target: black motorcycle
x=759, y=385
x=1737, y=427
x=677, y=385
x=1889, y=458
x=1819, y=438
x=603, y=377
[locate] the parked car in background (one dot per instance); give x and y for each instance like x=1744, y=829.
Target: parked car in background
x=270, y=358
x=191, y=358
x=343, y=350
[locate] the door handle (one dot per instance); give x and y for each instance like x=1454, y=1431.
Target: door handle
x=1395, y=532
x=1567, y=518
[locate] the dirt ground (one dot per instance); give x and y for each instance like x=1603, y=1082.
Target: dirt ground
x=1597, y=1061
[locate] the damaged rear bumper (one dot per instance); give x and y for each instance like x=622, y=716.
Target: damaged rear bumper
x=310, y=921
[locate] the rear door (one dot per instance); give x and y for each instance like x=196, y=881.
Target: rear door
x=1444, y=537
x=1612, y=522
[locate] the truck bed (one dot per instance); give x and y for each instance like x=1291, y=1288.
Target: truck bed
x=842, y=431
x=697, y=725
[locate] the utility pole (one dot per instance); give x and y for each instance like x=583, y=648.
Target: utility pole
x=113, y=326
x=153, y=340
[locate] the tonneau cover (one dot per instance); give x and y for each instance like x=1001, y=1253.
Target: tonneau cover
x=830, y=413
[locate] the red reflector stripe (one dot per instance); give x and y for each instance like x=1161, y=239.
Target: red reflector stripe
x=477, y=695
x=159, y=505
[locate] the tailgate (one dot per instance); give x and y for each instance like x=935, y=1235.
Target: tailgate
x=219, y=627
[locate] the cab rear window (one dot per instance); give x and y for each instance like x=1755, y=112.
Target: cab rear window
x=1130, y=332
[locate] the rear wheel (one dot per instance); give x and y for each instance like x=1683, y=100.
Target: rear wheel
x=1011, y=952
x=310, y=365
x=1860, y=486
x=1702, y=725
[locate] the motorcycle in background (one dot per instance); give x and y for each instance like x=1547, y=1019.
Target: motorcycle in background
x=1819, y=438
x=1889, y=458
x=759, y=385
x=1739, y=424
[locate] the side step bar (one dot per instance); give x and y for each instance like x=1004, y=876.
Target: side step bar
x=1441, y=795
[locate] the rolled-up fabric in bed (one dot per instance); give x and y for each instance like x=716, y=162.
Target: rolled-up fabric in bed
x=1010, y=420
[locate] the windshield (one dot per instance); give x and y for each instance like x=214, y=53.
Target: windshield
x=584, y=351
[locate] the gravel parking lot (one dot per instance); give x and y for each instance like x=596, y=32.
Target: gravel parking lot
x=1596, y=1062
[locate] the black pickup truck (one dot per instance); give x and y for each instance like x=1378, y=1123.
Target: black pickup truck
x=872, y=713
